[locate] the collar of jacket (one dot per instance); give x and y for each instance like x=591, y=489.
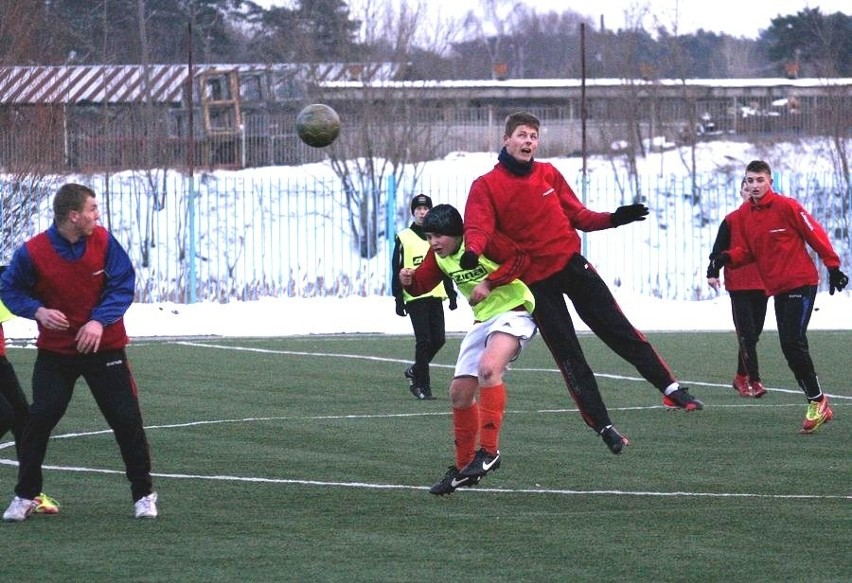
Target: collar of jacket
x=764, y=201
x=418, y=230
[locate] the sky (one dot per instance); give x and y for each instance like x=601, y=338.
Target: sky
x=734, y=17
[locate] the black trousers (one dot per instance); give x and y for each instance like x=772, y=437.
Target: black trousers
x=793, y=311
x=749, y=312
x=427, y=320
x=14, y=409
x=114, y=389
x=597, y=307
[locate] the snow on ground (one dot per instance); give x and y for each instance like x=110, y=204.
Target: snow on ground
x=303, y=316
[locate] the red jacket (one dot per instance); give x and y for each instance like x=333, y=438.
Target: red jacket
x=538, y=211
x=746, y=277
x=500, y=249
x=775, y=230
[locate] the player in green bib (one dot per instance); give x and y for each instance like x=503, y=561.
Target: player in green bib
x=502, y=305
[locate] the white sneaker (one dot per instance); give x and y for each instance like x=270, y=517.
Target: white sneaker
x=19, y=509
x=146, y=507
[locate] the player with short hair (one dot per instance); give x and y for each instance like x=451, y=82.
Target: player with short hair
x=77, y=282
x=502, y=306
x=531, y=203
x=776, y=233
x=748, y=302
x=426, y=309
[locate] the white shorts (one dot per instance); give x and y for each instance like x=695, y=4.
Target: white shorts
x=517, y=323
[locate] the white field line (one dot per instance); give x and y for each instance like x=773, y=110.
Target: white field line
x=10, y=444
x=368, y=486
x=450, y=366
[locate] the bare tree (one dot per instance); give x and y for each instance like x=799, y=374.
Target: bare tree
x=28, y=183
x=387, y=136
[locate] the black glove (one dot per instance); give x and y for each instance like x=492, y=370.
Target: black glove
x=712, y=270
x=453, y=304
x=400, y=308
x=469, y=260
x=837, y=280
x=718, y=262
x=629, y=213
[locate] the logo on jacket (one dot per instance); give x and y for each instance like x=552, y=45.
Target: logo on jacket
x=463, y=275
x=806, y=221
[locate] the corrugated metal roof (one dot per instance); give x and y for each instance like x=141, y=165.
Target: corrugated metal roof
x=98, y=83
x=76, y=84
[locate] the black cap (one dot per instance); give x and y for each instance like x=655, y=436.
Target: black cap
x=420, y=200
x=444, y=219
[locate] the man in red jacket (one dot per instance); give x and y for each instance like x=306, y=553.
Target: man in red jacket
x=748, y=302
x=775, y=230
x=532, y=204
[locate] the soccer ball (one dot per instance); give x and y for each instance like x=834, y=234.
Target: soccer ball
x=318, y=125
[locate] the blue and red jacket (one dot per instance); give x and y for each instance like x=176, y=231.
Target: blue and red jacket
x=92, y=279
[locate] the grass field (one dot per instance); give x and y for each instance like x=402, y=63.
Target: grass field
x=306, y=458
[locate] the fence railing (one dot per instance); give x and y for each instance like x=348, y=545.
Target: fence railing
x=282, y=232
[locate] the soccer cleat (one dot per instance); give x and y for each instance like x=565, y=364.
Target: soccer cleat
x=451, y=481
x=681, y=399
x=757, y=389
x=19, y=509
x=818, y=413
x=427, y=394
x=146, y=506
x=418, y=394
x=409, y=374
x=740, y=385
x=483, y=462
x=614, y=440
x=46, y=505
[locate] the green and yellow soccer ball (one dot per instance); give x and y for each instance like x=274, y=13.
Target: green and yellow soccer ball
x=318, y=125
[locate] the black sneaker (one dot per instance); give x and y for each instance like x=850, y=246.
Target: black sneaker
x=483, y=462
x=427, y=393
x=451, y=481
x=409, y=374
x=614, y=440
x=681, y=399
x=418, y=394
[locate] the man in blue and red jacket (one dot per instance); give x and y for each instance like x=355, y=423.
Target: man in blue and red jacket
x=776, y=233
x=76, y=281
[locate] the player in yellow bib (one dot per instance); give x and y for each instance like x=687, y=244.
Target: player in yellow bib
x=502, y=306
x=425, y=309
